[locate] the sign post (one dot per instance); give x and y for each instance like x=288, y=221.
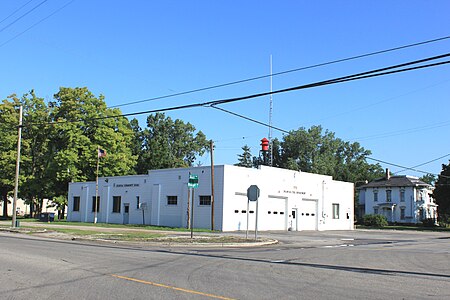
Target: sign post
x=192, y=184
x=252, y=195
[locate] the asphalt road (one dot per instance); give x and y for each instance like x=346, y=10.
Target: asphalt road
x=305, y=265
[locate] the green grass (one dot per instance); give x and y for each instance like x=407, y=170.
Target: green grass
x=148, y=227
x=403, y=227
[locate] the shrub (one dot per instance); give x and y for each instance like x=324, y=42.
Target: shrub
x=375, y=220
x=430, y=222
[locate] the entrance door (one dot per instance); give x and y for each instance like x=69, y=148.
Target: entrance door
x=126, y=213
x=308, y=214
x=293, y=224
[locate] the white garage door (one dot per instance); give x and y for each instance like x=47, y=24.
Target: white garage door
x=273, y=213
x=308, y=215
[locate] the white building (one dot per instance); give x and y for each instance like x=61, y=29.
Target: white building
x=289, y=200
x=401, y=199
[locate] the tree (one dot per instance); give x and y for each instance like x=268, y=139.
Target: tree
x=442, y=194
x=9, y=120
x=84, y=123
x=321, y=152
x=428, y=178
x=168, y=144
x=245, y=159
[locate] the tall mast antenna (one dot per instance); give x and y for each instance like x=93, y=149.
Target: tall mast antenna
x=270, y=116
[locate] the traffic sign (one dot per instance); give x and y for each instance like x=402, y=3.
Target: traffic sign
x=253, y=193
x=193, y=181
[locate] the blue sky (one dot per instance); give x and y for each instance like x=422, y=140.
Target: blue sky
x=134, y=50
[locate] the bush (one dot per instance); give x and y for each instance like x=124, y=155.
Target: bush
x=430, y=222
x=375, y=220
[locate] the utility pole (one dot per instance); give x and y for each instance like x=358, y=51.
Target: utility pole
x=16, y=186
x=212, y=184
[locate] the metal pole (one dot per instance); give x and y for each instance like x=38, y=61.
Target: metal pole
x=212, y=184
x=16, y=186
x=248, y=206
x=192, y=215
x=188, y=225
x=256, y=221
x=96, y=186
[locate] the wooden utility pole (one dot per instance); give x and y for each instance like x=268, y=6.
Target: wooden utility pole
x=212, y=184
x=16, y=186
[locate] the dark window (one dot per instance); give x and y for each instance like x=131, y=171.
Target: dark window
x=94, y=202
x=307, y=214
x=275, y=213
x=251, y=211
x=313, y=215
x=116, y=204
x=293, y=214
x=269, y=212
x=76, y=203
x=236, y=211
x=172, y=200
x=138, y=202
x=281, y=213
x=205, y=200
x=335, y=210
x=243, y=211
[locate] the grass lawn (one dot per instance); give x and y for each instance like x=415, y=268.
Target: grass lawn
x=402, y=227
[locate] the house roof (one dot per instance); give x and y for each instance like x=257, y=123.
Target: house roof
x=396, y=181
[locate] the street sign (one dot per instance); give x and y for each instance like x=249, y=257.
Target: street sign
x=253, y=193
x=193, y=181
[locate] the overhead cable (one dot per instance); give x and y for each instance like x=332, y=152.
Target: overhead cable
x=282, y=73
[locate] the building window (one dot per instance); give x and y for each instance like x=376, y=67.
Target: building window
x=402, y=195
x=402, y=213
x=138, y=202
x=388, y=196
x=205, y=200
x=76, y=203
x=93, y=204
x=172, y=200
x=335, y=211
x=375, y=210
x=116, y=204
x=375, y=196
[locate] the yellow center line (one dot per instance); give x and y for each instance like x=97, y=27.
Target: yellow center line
x=171, y=287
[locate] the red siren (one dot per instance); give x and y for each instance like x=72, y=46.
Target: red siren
x=265, y=144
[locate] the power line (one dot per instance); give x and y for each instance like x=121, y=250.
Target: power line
x=399, y=166
x=363, y=75
x=12, y=14
x=37, y=23
x=425, y=163
x=22, y=16
x=283, y=72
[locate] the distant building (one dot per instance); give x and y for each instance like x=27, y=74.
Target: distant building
x=289, y=200
x=401, y=199
x=23, y=209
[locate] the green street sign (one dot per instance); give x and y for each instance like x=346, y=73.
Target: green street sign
x=193, y=181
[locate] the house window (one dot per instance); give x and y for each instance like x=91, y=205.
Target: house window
x=402, y=195
x=335, y=211
x=375, y=210
x=172, y=200
x=138, y=202
x=94, y=209
x=402, y=213
x=388, y=196
x=76, y=203
x=116, y=204
x=205, y=200
x=375, y=196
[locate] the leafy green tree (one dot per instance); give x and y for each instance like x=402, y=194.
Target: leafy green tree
x=168, y=144
x=442, y=194
x=35, y=154
x=245, y=159
x=312, y=150
x=9, y=120
x=84, y=123
x=428, y=178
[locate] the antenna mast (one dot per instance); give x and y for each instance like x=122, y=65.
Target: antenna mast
x=270, y=116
